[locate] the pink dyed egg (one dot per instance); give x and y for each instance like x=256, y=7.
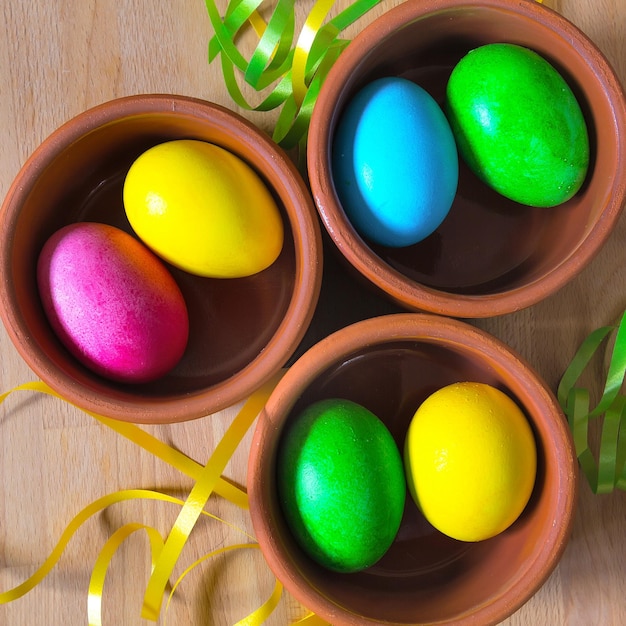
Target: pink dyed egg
x=112, y=302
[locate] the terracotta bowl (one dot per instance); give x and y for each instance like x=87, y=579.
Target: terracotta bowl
x=490, y=256
x=242, y=331
x=390, y=364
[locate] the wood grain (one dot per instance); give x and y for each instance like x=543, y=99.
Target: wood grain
x=59, y=58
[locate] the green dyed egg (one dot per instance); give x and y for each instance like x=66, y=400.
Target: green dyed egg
x=518, y=125
x=341, y=484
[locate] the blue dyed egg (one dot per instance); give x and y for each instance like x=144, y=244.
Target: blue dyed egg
x=395, y=163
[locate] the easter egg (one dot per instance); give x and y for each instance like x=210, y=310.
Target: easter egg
x=471, y=460
x=518, y=124
x=394, y=163
x=341, y=484
x=203, y=209
x=112, y=302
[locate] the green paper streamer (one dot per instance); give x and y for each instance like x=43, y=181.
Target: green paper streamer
x=609, y=471
x=276, y=60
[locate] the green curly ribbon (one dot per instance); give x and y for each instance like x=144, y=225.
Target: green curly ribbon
x=609, y=471
x=294, y=72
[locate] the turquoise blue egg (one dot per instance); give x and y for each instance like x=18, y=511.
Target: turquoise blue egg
x=395, y=163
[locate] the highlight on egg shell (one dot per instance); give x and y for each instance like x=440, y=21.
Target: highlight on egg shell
x=394, y=162
x=112, y=303
x=341, y=484
x=518, y=125
x=203, y=209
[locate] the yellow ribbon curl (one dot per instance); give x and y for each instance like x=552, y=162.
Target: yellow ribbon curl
x=165, y=551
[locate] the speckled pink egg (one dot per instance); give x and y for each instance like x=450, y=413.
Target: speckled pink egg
x=112, y=302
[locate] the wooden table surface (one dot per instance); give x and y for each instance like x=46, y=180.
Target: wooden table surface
x=60, y=57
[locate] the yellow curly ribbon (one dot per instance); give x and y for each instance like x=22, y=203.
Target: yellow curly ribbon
x=96, y=584
x=89, y=511
x=153, y=445
x=165, y=552
x=256, y=617
x=199, y=496
x=83, y=516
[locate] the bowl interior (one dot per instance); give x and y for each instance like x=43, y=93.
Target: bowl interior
x=241, y=330
x=487, y=245
x=425, y=576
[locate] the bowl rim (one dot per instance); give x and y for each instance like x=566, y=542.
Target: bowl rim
x=307, y=283
x=527, y=386
x=416, y=296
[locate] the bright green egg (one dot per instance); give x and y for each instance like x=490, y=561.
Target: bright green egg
x=518, y=125
x=341, y=484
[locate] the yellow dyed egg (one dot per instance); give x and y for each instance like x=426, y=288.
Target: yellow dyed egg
x=471, y=460
x=203, y=209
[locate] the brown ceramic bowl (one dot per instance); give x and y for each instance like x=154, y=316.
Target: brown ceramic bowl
x=242, y=331
x=390, y=364
x=490, y=256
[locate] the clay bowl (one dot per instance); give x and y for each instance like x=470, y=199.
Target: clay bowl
x=242, y=331
x=390, y=364
x=490, y=256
